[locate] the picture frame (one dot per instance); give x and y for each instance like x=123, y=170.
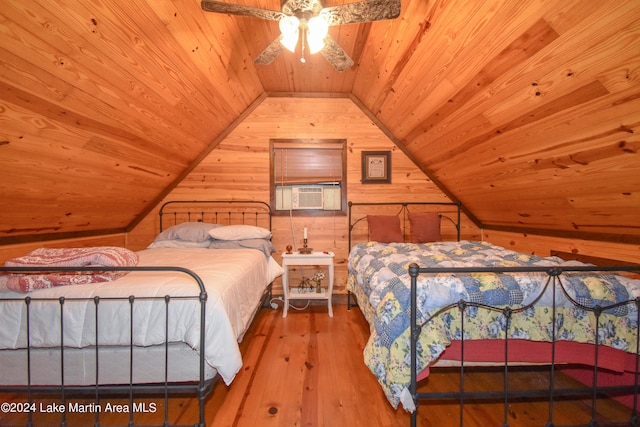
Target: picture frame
x=376, y=167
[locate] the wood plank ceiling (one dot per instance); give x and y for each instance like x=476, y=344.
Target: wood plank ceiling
x=527, y=111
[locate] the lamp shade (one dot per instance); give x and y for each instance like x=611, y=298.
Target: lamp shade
x=290, y=29
x=317, y=31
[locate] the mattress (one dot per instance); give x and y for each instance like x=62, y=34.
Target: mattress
x=235, y=280
x=183, y=365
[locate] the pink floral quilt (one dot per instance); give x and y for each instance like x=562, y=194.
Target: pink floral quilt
x=102, y=256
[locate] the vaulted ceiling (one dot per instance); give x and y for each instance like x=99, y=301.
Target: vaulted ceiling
x=530, y=107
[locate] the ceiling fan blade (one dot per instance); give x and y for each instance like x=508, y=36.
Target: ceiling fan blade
x=270, y=53
x=364, y=11
x=241, y=10
x=336, y=55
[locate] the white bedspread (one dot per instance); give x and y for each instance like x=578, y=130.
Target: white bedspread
x=235, y=281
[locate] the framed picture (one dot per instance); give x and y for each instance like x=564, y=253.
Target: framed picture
x=376, y=167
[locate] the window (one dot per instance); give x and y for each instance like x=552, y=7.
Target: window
x=308, y=176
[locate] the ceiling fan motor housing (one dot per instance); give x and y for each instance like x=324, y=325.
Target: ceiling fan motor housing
x=294, y=7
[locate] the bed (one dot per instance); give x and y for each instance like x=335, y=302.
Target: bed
x=470, y=303
x=167, y=319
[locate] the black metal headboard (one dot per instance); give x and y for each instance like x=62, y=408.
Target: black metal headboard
x=403, y=211
x=215, y=211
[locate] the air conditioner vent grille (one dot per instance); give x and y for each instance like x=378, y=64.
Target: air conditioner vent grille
x=306, y=198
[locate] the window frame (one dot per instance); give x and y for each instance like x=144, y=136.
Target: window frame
x=311, y=144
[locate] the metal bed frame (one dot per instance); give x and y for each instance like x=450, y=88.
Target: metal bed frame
x=402, y=213
x=200, y=388
x=99, y=391
x=508, y=395
x=255, y=212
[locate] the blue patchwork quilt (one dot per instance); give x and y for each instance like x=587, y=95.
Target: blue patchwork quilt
x=378, y=275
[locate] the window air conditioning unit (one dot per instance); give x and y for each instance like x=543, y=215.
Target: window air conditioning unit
x=306, y=198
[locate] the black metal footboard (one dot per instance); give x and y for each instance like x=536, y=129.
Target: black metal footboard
x=548, y=393
x=128, y=391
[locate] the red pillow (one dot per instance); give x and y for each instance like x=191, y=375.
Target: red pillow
x=384, y=228
x=425, y=227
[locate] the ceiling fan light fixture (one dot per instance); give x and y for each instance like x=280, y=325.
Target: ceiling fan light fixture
x=317, y=30
x=297, y=20
x=290, y=29
x=315, y=45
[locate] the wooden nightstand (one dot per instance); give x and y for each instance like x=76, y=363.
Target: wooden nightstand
x=312, y=259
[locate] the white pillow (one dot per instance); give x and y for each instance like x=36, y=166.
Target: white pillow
x=187, y=231
x=239, y=232
x=177, y=243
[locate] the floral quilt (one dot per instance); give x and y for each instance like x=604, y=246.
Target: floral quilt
x=378, y=274
x=100, y=256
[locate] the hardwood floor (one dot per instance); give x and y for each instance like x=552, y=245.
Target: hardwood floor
x=308, y=370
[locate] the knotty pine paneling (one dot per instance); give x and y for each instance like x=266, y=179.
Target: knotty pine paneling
x=104, y=104
x=542, y=134
x=542, y=245
x=525, y=110
x=239, y=169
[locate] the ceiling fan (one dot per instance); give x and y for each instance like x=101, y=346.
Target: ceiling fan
x=310, y=20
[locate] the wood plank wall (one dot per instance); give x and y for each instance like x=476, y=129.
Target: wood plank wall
x=543, y=245
x=239, y=168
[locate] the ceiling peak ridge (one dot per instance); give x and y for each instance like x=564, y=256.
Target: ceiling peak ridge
x=277, y=94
